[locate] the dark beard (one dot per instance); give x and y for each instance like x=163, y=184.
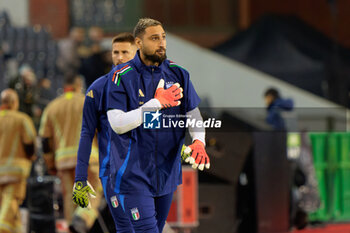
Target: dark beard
x=155, y=58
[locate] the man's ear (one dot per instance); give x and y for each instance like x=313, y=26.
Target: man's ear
x=138, y=42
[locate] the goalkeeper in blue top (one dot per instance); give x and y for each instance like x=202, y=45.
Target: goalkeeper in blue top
x=146, y=166
x=94, y=117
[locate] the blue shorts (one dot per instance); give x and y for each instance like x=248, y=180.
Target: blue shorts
x=147, y=214
x=121, y=220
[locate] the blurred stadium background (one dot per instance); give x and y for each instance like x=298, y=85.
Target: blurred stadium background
x=234, y=50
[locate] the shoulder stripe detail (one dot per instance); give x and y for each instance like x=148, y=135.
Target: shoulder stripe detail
x=123, y=71
x=120, y=72
x=123, y=68
x=173, y=64
x=114, y=76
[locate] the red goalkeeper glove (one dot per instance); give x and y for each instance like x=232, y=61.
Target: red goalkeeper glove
x=169, y=97
x=199, y=157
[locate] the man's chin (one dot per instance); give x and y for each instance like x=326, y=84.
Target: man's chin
x=162, y=58
x=156, y=58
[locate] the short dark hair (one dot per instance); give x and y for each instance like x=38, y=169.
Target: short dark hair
x=124, y=37
x=144, y=23
x=273, y=92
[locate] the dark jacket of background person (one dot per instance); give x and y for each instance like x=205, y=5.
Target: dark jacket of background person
x=95, y=66
x=274, y=110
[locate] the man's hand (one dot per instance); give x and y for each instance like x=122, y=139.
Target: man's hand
x=169, y=97
x=199, y=156
x=82, y=191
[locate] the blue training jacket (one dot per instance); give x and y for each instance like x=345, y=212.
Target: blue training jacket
x=94, y=117
x=147, y=161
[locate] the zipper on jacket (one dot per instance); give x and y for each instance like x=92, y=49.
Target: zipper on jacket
x=156, y=143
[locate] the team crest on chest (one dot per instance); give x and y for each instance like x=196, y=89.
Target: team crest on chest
x=168, y=84
x=135, y=214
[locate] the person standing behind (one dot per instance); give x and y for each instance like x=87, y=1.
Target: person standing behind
x=25, y=86
x=69, y=57
x=123, y=48
x=275, y=106
x=95, y=118
x=59, y=129
x=96, y=62
x=17, y=143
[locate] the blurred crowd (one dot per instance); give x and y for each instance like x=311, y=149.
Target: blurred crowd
x=84, y=52
x=35, y=72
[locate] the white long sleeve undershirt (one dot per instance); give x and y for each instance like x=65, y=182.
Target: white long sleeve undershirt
x=122, y=122
x=196, y=133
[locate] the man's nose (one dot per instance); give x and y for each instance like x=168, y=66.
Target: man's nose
x=120, y=58
x=162, y=43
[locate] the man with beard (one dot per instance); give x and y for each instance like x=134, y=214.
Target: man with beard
x=145, y=160
x=94, y=117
